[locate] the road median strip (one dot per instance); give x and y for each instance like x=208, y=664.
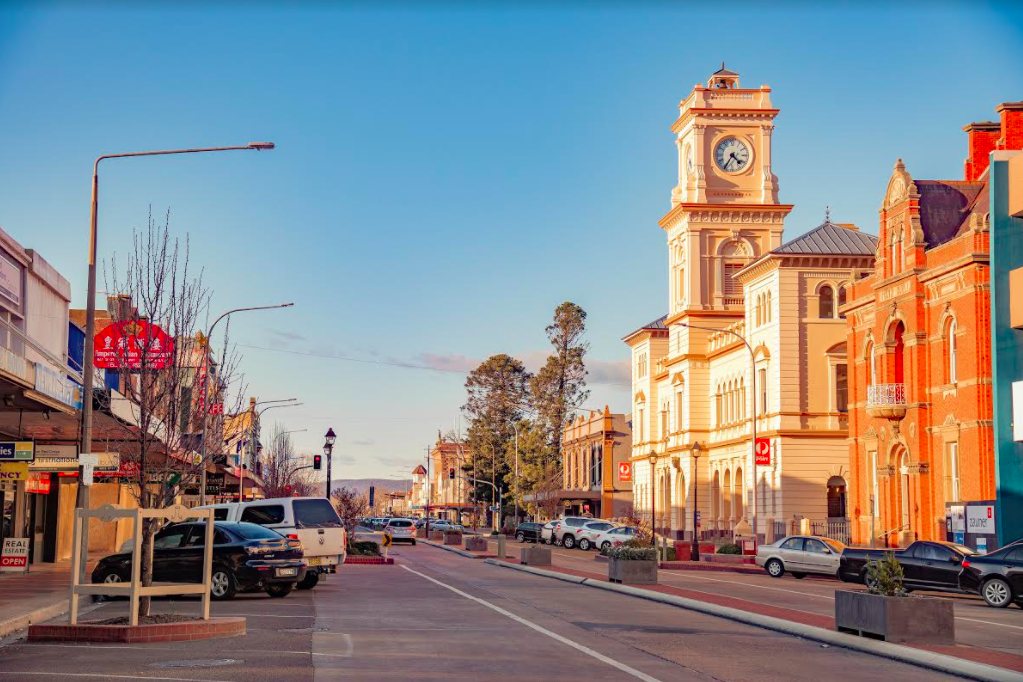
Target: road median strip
x=919, y=657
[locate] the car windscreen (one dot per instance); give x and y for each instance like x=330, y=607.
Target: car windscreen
x=399, y=524
x=251, y=531
x=315, y=514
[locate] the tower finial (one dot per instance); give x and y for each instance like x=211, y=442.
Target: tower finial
x=827, y=214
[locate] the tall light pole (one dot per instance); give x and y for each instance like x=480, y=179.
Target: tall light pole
x=516, y=427
x=328, y=450
x=694, y=553
x=90, y=305
x=205, y=400
x=753, y=397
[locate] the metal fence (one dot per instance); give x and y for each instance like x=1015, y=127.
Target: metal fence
x=834, y=529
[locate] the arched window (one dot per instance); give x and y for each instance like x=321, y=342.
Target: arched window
x=836, y=497
x=679, y=414
x=896, y=253
x=767, y=307
x=900, y=348
x=841, y=300
x=875, y=501
x=825, y=302
x=951, y=350
x=871, y=364
x=952, y=472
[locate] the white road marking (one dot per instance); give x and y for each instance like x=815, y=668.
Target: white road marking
x=106, y=676
x=553, y=635
x=988, y=622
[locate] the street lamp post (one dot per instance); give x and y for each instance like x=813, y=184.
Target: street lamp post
x=90, y=306
x=753, y=412
x=328, y=450
x=694, y=553
x=205, y=402
x=516, y=427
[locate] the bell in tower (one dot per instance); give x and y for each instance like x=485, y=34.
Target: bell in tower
x=723, y=79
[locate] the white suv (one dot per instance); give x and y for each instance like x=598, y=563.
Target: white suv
x=586, y=537
x=566, y=530
x=311, y=520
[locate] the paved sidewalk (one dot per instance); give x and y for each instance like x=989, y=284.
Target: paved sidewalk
x=34, y=597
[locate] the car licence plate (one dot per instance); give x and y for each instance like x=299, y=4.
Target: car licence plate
x=286, y=572
x=315, y=561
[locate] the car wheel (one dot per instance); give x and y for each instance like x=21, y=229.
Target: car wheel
x=996, y=593
x=798, y=576
x=280, y=589
x=584, y=545
x=309, y=581
x=606, y=546
x=775, y=568
x=222, y=584
x=520, y=537
x=112, y=576
x=568, y=541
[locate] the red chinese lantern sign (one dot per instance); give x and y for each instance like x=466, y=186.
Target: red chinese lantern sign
x=124, y=345
x=762, y=449
x=625, y=472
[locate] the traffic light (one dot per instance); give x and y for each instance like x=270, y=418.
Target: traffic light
x=317, y=462
x=451, y=473
x=287, y=490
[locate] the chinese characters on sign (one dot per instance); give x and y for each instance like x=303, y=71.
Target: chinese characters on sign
x=124, y=345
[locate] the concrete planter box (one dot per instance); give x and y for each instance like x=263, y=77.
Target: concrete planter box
x=476, y=544
x=437, y=535
x=535, y=556
x=632, y=572
x=452, y=538
x=900, y=620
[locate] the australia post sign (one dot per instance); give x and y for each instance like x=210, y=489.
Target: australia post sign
x=132, y=343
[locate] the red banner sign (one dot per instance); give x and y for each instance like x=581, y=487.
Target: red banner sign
x=625, y=472
x=129, y=344
x=762, y=450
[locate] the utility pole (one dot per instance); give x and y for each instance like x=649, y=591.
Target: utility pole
x=427, y=491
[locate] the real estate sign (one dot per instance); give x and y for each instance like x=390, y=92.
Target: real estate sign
x=14, y=556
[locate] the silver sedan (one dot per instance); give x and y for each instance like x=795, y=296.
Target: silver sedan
x=799, y=555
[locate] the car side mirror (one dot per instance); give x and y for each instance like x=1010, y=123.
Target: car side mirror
x=955, y=560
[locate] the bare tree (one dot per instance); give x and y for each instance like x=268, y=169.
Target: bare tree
x=157, y=304
x=282, y=476
x=351, y=506
x=545, y=491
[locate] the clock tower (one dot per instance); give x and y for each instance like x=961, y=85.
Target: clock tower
x=725, y=211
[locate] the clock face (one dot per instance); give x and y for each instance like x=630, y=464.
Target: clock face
x=732, y=155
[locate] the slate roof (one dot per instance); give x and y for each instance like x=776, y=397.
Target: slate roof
x=655, y=326
x=945, y=207
x=831, y=240
x=724, y=72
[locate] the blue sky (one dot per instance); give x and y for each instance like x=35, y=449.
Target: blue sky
x=446, y=174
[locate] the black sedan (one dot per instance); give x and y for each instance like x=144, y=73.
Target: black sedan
x=997, y=576
x=246, y=557
x=528, y=532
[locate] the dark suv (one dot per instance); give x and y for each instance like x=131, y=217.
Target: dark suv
x=528, y=532
x=565, y=529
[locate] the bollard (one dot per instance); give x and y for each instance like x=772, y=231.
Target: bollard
x=500, y=546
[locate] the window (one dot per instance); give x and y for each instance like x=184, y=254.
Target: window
x=952, y=352
x=170, y=538
x=664, y=422
x=825, y=303
x=900, y=347
x=198, y=536
x=264, y=515
x=732, y=286
x=896, y=253
x=250, y=531
x=933, y=552
x=871, y=363
x=841, y=300
x=762, y=383
x=842, y=387
x=952, y=472
x=220, y=514
x=679, y=406
x=816, y=547
x=872, y=463
x=641, y=365
x=793, y=543
x=639, y=426
x=718, y=416
x=767, y=308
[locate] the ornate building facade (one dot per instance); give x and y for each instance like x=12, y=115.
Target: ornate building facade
x=919, y=325
x=732, y=282
x=594, y=447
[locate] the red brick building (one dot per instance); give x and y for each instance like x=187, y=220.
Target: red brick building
x=919, y=346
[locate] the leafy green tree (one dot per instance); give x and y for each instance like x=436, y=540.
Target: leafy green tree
x=497, y=396
x=559, y=388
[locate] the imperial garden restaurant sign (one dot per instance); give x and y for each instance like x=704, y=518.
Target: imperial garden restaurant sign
x=124, y=345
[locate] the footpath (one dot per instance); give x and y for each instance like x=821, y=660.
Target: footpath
x=968, y=662
x=36, y=596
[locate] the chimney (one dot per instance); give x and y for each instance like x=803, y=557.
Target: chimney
x=1012, y=125
x=983, y=139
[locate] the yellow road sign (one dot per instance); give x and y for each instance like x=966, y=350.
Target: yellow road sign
x=387, y=539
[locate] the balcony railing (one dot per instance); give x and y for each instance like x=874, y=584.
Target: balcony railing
x=886, y=394
x=886, y=400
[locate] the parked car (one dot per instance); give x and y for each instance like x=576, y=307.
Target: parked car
x=401, y=530
x=529, y=532
x=799, y=555
x=586, y=536
x=312, y=520
x=997, y=576
x=565, y=530
x=926, y=564
x=613, y=537
x=446, y=526
x=246, y=557
x=547, y=532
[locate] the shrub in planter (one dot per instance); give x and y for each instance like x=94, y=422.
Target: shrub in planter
x=364, y=548
x=729, y=549
x=632, y=565
x=884, y=577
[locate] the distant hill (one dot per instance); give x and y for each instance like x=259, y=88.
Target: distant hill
x=383, y=485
